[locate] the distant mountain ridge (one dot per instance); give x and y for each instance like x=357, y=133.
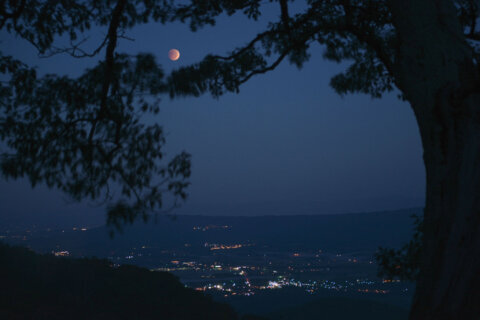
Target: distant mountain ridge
x=339, y=233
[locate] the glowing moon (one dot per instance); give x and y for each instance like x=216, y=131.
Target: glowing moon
x=173, y=54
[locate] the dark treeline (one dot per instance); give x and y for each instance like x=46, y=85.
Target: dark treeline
x=37, y=286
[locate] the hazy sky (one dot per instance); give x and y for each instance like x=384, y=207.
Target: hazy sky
x=287, y=143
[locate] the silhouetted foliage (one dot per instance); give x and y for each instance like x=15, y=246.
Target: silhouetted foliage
x=429, y=50
x=360, y=32
x=403, y=263
x=47, y=287
x=84, y=135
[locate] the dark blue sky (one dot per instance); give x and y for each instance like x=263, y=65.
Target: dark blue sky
x=287, y=144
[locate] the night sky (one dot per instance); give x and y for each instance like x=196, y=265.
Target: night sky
x=286, y=144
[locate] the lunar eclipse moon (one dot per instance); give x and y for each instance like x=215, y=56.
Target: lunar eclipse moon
x=173, y=54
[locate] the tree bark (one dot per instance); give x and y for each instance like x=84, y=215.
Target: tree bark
x=449, y=281
x=436, y=70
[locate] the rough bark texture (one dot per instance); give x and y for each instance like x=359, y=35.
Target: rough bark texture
x=437, y=72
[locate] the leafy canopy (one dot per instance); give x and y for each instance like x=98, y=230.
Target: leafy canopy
x=83, y=135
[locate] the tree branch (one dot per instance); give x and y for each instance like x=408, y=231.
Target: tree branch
x=109, y=61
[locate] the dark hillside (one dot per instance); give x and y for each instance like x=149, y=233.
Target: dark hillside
x=37, y=286
x=341, y=308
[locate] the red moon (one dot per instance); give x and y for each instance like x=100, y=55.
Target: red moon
x=173, y=54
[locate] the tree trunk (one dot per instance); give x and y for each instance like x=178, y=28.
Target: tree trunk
x=436, y=71
x=449, y=281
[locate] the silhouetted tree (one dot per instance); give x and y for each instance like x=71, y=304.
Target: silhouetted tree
x=427, y=49
x=403, y=263
x=84, y=135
